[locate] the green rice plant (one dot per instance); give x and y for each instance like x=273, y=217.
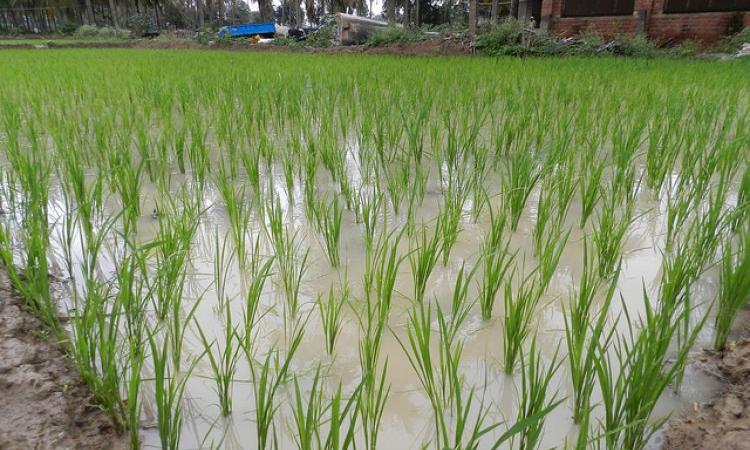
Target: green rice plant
x=517, y=317
x=308, y=414
x=265, y=387
x=291, y=270
x=169, y=390
x=609, y=234
x=339, y=417
x=423, y=259
x=534, y=396
x=238, y=212
x=590, y=188
x=176, y=230
x=329, y=224
x=369, y=210
x=634, y=374
x=379, y=281
x=416, y=196
x=496, y=261
x=224, y=365
x=252, y=301
x=585, y=333
x=460, y=306
x=520, y=177
x=734, y=287
x=330, y=315
x=449, y=217
x=32, y=170
x=544, y=215
x=549, y=256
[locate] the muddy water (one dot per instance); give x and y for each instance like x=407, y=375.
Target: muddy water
x=407, y=420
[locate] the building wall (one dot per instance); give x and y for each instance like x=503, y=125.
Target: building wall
x=648, y=17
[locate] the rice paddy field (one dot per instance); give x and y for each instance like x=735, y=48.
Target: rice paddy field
x=373, y=252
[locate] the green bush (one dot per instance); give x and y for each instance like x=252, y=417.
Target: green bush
x=86, y=31
x=735, y=41
x=591, y=44
x=106, y=32
x=68, y=27
x=321, y=38
x=392, y=35
x=140, y=24
x=686, y=49
x=638, y=46
x=504, y=39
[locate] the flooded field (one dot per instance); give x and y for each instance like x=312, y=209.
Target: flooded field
x=294, y=251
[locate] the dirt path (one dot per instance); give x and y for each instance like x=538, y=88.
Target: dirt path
x=724, y=423
x=43, y=402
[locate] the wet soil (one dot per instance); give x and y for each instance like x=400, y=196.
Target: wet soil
x=723, y=423
x=44, y=404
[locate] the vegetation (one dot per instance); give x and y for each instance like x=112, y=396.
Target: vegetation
x=319, y=250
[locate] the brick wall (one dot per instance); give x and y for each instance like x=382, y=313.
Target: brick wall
x=704, y=27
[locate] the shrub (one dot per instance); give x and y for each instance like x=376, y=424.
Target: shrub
x=86, y=31
x=637, y=46
x=590, y=44
x=321, y=38
x=686, y=48
x=68, y=27
x=504, y=39
x=106, y=32
x=392, y=35
x=140, y=24
x=734, y=42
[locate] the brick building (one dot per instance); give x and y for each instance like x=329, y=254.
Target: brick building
x=677, y=20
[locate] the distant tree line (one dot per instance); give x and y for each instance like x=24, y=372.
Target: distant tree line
x=43, y=16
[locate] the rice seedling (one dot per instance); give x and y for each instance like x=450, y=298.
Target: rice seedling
x=496, y=261
x=585, y=332
x=590, y=184
x=734, y=287
x=534, y=396
x=224, y=365
x=330, y=315
x=517, y=317
x=328, y=217
x=423, y=259
x=265, y=388
x=237, y=210
x=520, y=177
x=252, y=302
x=608, y=236
x=169, y=390
x=549, y=256
x=130, y=295
x=633, y=379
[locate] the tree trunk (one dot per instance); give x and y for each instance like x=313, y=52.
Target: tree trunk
x=406, y=13
x=266, y=10
x=472, y=18
x=89, y=13
x=418, y=13
x=495, y=12
x=390, y=10
x=199, y=12
x=514, y=9
x=113, y=13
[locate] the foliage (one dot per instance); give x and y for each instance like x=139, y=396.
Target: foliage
x=394, y=35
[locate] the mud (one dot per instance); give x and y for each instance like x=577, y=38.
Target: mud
x=44, y=404
x=723, y=423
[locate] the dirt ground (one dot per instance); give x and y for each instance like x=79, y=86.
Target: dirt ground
x=723, y=423
x=43, y=402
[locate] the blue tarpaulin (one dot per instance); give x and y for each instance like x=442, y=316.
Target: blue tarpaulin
x=249, y=29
